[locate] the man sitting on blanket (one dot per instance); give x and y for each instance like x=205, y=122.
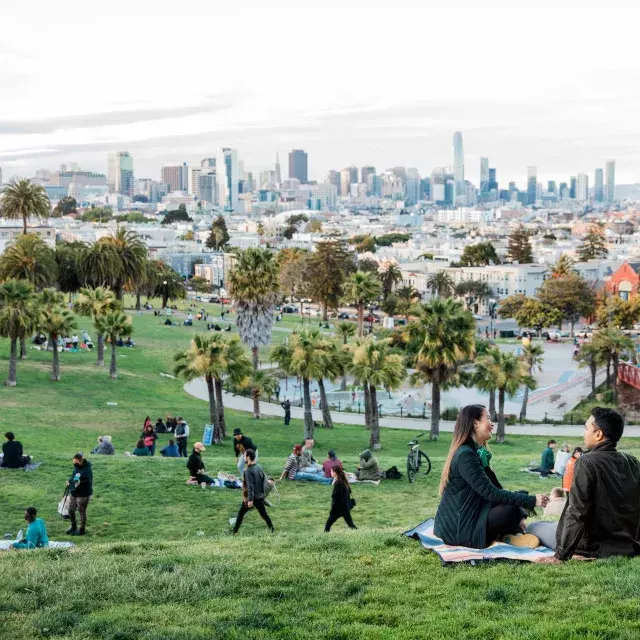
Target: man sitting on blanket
x=602, y=515
x=14, y=457
x=36, y=532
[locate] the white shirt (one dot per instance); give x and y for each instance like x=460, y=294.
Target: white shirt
x=561, y=462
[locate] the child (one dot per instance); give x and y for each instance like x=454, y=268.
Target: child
x=557, y=500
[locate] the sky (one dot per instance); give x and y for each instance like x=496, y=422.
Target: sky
x=550, y=84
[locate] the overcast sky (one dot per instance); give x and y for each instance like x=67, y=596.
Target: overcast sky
x=554, y=84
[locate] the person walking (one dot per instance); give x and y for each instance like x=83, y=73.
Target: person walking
x=182, y=435
x=80, y=489
x=253, y=488
x=341, y=500
x=286, y=405
x=241, y=444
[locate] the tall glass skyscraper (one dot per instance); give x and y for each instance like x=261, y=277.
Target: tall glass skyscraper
x=121, y=178
x=484, y=175
x=598, y=193
x=458, y=162
x=298, y=165
x=532, y=184
x=611, y=180
x=227, y=177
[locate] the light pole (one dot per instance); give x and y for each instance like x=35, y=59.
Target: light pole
x=165, y=293
x=493, y=303
x=222, y=293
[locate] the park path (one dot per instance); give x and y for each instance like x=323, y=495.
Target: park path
x=198, y=389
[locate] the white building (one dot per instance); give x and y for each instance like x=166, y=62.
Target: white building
x=121, y=178
x=173, y=200
x=227, y=171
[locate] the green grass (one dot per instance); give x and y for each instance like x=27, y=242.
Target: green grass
x=143, y=572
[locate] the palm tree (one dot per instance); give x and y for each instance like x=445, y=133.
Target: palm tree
x=254, y=286
x=22, y=200
x=590, y=356
x=69, y=260
x=345, y=330
x=304, y=356
x=96, y=303
x=390, y=276
x=100, y=265
x=484, y=378
x=407, y=297
x=361, y=289
x=29, y=257
x=132, y=256
x=17, y=313
x=563, y=268
x=237, y=369
x=444, y=332
x=374, y=366
x=441, y=284
x=336, y=363
x=56, y=321
x=511, y=374
x=611, y=343
x=532, y=356
x=262, y=384
x=162, y=281
x=114, y=324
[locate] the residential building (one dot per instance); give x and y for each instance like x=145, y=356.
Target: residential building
x=9, y=231
x=610, y=169
x=193, y=175
x=227, y=172
x=176, y=176
x=120, y=174
x=298, y=165
x=625, y=282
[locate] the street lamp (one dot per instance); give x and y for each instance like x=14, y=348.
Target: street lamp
x=165, y=293
x=222, y=293
x=493, y=303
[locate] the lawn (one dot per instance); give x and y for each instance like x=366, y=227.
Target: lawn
x=156, y=563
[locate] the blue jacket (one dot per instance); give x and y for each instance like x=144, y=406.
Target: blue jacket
x=170, y=451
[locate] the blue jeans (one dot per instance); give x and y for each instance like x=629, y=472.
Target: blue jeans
x=242, y=463
x=312, y=477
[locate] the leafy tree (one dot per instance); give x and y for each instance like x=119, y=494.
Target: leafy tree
x=593, y=245
x=407, y=297
x=114, y=325
x=563, y=268
x=590, y=356
x=478, y=255
x=131, y=255
x=368, y=244
x=368, y=266
x=167, y=283
x=97, y=214
x=533, y=357
x=293, y=222
x=96, y=303
x=64, y=207
x=219, y=235
x=292, y=267
x=536, y=314
x=24, y=200
x=440, y=284
x=327, y=270
x=520, y=250
x=201, y=285
x=391, y=238
x=314, y=226
x=135, y=217
x=391, y=305
x=390, y=276
x=611, y=344
x=18, y=310
x=510, y=306
x=177, y=215
x=345, y=330
x=28, y=257
x=443, y=332
x=572, y=295
x=361, y=289
x=472, y=291
x=56, y=321
x=69, y=261
x=374, y=366
x=254, y=286
x=620, y=313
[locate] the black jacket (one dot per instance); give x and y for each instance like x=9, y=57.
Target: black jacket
x=12, y=450
x=340, y=498
x=81, y=481
x=247, y=443
x=254, y=479
x=461, y=518
x=602, y=515
x=195, y=464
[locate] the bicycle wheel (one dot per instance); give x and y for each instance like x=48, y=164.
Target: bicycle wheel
x=411, y=469
x=424, y=460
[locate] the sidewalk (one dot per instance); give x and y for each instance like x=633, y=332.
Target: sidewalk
x=198, y=389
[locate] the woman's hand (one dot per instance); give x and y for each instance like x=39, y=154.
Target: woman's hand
x=542, y=500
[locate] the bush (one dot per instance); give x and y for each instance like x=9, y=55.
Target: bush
x=450, y=413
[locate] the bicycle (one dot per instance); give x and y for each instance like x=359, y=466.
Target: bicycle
x=416, y=458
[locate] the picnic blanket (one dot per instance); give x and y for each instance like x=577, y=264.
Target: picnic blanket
x=352, y=478
x=450, y=554
x=27, y=467
x=4, y=544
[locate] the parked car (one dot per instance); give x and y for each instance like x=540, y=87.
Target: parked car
x=214, y=300
x=343, y=316
x=289, y=309
x=372, y=317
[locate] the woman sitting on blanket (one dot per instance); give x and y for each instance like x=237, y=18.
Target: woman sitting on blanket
x=473, y=512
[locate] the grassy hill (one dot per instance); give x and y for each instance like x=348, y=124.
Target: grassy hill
x=146, y=571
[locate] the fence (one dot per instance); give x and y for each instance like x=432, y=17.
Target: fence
x=629, y=374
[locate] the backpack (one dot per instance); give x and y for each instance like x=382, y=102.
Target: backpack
x=393, y=474
x=267, y=485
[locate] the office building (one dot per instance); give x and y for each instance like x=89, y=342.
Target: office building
x=267, y=180
x=227, y=178
x=120, y=174
x=176, y=176
x=598, y=190
x=572, y=187
x=80, y=178
x=582, y=187
x=493, y=181
x=334, y=178
x=425, y=189
x=532, y=185
x=412, y=187
x=551, y=187
x=348, y=176
x=484, y=176
x=298, y=165
x=365, y=172
x=193, y=174
x=278, y=170
x=458, y=162
x=207, y=187
x=208, y=163
x=374, y=185
x=610, y=169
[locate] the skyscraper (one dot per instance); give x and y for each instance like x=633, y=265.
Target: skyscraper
x=334, y=178
x=484, y=175
x=278, y=169
x=207, y=187
x=611, y=181
x=176, y=176
x=298, y=165
x=573, y=181
x=598, y=192
x=458, y=162
x=412, y=191
x=532, y=185
x=365, y=172
x=582, y=188
x=348, y=176
x=121, y=178
x=493, y=181
x=227, y=178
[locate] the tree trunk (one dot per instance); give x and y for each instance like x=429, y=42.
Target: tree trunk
x=492, y=404
x=55, y=368
x=343, y=384
x=525, y=400
x=594, y=370
x=500, y=434
x=255, y=392
x=435, y=411
x=367, y=406
x=326, y=412
x=13, y=362
x=138, y=305
x=165, y=299
x=213, y=410
x=374, y=439
x=100, y=362
x=609, y=372
x=23, y=348
x=614, y=385
x=360, y=320
x=24, y=225
x=308, y=416
x=220, y=405
x=112, y=369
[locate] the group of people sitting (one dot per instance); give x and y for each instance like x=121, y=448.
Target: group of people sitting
x=561, y=466
x=599, y=518
x=63, y=343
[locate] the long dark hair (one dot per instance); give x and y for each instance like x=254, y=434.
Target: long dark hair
x=341, y=476
x=462, y=434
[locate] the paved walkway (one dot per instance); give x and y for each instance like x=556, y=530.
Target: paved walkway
x=198, y=388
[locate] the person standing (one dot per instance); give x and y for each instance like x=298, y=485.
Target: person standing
x=253, y=488
x=74, y=342
x=182, y=435
x=80, y=489
x=149, y=437
x=277, y=392
x=286, y=405
x=36, y=532
x=240, y=445
x=341, y=501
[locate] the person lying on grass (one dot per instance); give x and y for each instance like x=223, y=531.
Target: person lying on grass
x=473, y=512
x=602, y=514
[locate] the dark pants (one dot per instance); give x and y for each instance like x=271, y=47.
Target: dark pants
x=78, y=504
x=152, y=449
x=334, y=515
x=22, y=462
x=258, y=503
x=203, y=477
x=182, y=447
x=287, y=418
x=503, y=519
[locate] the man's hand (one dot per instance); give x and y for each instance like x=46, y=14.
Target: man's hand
x=250, y=504
x=542, y=500
x=552, y=560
